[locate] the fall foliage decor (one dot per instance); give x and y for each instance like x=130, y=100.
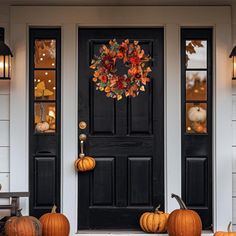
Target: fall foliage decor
x=229, y=233
x=23, y=226
x=85, y=163
x=183, y=222
x=55, y=224
x=106, y=76
x=154, y=222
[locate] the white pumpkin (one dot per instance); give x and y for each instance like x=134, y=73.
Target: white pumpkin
x=42, y=126
x=197, y=114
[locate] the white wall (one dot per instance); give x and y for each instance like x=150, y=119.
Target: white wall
x=4, y=115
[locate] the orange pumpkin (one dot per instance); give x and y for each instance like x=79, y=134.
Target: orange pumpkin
x=229, y=233
x=154, y=222
x=55, y=224
x=85, y=164
x=23, y=226
x=183, y=222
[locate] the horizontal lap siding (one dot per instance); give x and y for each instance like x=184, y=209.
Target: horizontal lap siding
x=4, y=137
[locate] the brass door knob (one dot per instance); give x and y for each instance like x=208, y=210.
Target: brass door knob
x=82, y=125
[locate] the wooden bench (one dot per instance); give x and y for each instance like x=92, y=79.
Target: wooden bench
x=12, y=208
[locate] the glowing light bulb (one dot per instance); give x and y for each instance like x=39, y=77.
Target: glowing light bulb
x=35, y=88
x=46, y=73
x=189, y=128
x=38, y=80
x=44, y=54
x=196, y=91
x=49, y=81
x=35, y=80
x=41, y=59
x=202, y=88
x=54, y=88
x=53, y=64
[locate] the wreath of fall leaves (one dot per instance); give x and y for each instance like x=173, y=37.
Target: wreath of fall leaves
x=106, y=76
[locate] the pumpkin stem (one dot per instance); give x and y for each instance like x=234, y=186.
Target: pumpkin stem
x=229, y=226
x=54, y=209
x=18, y=212
x=180, y=201
x=157, y=208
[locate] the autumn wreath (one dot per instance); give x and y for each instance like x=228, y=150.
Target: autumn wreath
x=106, y=76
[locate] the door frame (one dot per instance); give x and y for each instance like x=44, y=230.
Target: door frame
x=172, y=19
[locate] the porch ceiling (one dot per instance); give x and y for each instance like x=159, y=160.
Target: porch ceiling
x=117, y=2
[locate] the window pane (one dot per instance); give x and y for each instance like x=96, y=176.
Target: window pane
x=196, y=118
x=44, y=84
x=196, y=54
x=196, y=85
x=45, y=117
x=45, y=53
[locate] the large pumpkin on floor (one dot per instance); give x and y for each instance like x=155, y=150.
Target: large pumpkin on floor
x=183, y=222
x=23, y=226
x=55, y=224
x=229, y=233
x=85, y=164
x=154, y=222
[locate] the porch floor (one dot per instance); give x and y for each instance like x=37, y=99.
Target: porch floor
x=126, y=232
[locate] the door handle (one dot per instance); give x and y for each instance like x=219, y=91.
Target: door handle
x=82, y=139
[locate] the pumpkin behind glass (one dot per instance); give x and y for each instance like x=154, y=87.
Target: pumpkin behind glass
x=23, y=226
x=55, y=224
x=183, y=222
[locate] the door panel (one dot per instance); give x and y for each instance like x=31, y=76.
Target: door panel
x=125, y=137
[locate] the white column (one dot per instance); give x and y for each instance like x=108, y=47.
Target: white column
x=222, y=143
x=172, y=116
x=69, y=176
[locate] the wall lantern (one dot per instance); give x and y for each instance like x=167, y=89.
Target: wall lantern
x=233, y=55
x=5, y=61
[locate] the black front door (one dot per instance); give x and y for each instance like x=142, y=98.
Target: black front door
x=125, y=137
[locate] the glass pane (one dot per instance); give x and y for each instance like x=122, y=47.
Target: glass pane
x=196, y=54
x=196, y=85
x=45, y=117
x=45, y=53
x=45, y=84
x=196, y=118
x=1, y=66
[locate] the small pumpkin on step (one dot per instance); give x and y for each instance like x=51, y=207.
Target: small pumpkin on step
x=85, y=163
x=23, y=226
x=229, y=233
x=183, y=222
x=154, y=222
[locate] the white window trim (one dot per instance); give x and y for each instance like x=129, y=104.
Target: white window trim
x=172, y=19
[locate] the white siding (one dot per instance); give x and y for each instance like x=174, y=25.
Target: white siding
x=4, y=136
x=234, y=123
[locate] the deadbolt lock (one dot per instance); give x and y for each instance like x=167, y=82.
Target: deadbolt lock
x=82, y=125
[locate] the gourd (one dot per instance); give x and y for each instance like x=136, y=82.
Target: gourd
x=183, y=222
x=154, y=222
x=85, y=163
x=23, y=226
x=197, y=114
x=229, y=233
x=42, y=126
x=55, y=224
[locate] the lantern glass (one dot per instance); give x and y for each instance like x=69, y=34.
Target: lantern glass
x=234, y=67
x=5, y=67
x=1, y=66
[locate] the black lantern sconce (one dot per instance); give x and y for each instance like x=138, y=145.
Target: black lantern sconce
x=5, y=61
x=233, y=55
